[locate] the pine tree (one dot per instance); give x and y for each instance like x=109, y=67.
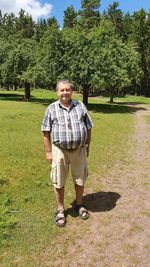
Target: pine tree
x=89, y=13
x=70, y=17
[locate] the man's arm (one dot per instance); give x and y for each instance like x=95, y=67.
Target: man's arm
x=88, y=140
x=48, y=146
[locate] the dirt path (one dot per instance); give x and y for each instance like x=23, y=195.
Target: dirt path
x=118, y=235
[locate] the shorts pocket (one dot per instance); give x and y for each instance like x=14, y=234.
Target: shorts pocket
x=86, y=172
x=53, y=174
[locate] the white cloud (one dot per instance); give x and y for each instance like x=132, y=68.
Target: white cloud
x=32, y=7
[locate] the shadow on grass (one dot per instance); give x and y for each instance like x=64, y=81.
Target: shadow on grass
x=101, y=201
x=20, y=98
x=96, y=202
x=11, y=97
x=44, y=102
x=4, y=182
x=129, y=103
x=114, y=108
x=119, y=107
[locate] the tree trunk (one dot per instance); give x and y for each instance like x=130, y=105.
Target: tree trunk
x=7, y=87
x=85, y=94
x=112, y=97
x=15, y=87
x=27, y=91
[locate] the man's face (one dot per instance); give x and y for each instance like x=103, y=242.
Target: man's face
x=64, y=93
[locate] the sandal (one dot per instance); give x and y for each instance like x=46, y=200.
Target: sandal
x=59, y=216
x=82, y=211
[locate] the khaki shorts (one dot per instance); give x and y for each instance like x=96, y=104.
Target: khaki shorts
x=77, y=159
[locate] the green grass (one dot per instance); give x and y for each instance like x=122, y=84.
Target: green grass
x=27, y=229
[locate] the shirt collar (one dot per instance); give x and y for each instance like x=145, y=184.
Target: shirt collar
x=73, y=103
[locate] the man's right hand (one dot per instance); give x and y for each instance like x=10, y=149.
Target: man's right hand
x=49, y=157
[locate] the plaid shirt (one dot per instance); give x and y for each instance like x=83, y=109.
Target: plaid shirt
x=68, y=126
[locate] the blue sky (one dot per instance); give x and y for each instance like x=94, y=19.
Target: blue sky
x=125, y=5
x=50, y=8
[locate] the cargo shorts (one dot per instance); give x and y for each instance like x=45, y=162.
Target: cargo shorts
x=62, y=158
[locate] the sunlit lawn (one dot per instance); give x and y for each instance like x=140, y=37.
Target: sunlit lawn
x=27, y=200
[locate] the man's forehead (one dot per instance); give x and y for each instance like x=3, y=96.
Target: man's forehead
x=64, y=85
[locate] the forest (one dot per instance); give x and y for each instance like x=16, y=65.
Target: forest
x=104, y=53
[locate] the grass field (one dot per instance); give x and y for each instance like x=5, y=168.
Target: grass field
x=27, y=201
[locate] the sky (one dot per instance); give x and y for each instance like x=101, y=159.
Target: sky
x=49, y=8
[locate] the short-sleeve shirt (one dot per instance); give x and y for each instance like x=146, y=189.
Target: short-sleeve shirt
x=68, y=126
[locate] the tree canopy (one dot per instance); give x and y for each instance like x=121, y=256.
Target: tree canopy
x=107, y=53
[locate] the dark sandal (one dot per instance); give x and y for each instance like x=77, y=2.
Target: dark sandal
x=82, y=211
x=59, y=216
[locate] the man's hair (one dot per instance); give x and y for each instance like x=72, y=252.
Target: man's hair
x=64, y=82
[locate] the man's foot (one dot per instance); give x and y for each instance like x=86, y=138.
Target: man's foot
x=82, y=211
x=60, y=219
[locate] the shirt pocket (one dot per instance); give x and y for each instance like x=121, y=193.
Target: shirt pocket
x=60, y=121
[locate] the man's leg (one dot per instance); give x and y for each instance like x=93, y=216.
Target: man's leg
x=58, y=176
x=79, y=173
x=79, y=193
x=59, y=193
x=59, y=172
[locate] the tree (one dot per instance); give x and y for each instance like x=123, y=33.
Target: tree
x=18, y=56
x=115, y=15
x=52, y=22
x=89, y=15
x=27, y=52
x=141, y=36
x=25, y=25
x=76, y=59
x=50, y=56
x=70, y=17
x=115, y=64
x=127, y=27
x=1, y=17
x=40, y=28
x=5, y=48
x=8, y=24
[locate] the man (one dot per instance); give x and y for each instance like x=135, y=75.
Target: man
x=70, y=125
